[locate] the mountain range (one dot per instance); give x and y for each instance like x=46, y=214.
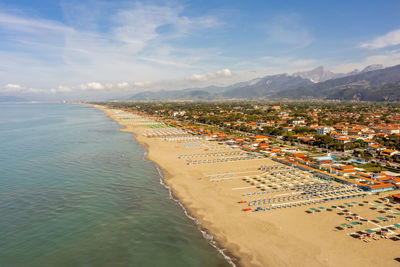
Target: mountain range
x=373, y=83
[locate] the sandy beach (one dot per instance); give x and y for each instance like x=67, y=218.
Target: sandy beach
x=210, y=179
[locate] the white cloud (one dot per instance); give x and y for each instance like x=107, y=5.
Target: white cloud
x=28, y=25
x=122, y=85
x=134, y=39
x=91, y=86
x=97, y=86
x=13, y=86
x=210, y=75
x=36, y=91
x=20, y=89
x=141, y=84
x=389, y=39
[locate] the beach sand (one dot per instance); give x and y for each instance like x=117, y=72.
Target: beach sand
x=286, y=237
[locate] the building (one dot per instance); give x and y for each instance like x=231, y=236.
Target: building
x=390, y=130
x=341, y=130
x=388, y=152
x=287, y=129
x=342, y=140
x=298, y=122
x=323, y=130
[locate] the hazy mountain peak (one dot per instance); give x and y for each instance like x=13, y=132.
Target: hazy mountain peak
x=319, y=74
x=372, y=67
x=371, y=84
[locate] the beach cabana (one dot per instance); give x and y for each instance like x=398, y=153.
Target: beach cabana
x=355, y=224
x=370, y=232
x=346, y=226
x=381, y=218
x=313, y=210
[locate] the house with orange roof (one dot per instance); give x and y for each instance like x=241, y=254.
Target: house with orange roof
x=389, y=152
x=369, y=142
x=354, y=132
x=263, y=145
x=368, y=134
x=391, y=129
x=354, y=138
x=306, y=139
x=299, y=155
x=345, y=167
x=341, y=130
x=342, y=140
x=375, y=148
x=260, y=137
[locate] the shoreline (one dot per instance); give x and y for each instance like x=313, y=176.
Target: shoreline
x=163, y=173
x=288, y=237
x=209, y=237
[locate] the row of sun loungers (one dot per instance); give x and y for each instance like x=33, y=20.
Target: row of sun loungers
x=145, y=123
x=273, y=202
x=165, y=132
x=215, y=154
x=196, y=162
x=193, y=145
x=273, y=167
x=183, y=138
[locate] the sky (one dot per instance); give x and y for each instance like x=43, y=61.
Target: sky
x=93, y=49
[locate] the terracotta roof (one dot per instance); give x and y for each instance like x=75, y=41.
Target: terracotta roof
x=346, y=167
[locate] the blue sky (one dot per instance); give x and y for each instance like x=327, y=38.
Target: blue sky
x=86, y=48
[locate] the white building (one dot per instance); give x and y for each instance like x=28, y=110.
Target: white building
x=323, y=130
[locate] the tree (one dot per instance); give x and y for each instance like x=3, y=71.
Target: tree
x=323, y=141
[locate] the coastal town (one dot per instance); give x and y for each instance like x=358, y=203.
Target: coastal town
x=254, y=167
x=357, y=142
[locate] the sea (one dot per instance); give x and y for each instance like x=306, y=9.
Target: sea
x=75, y=191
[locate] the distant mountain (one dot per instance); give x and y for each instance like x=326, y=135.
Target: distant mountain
x=359, y=86
x=319, y=74
x=385, y=92
x=185, y=94
x=318, y=83
x=7, y=98
x=372, y=68
x=366, y=69
x=265, y=86
x=256, y=88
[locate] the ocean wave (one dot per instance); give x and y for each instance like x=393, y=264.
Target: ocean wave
x=207, y=236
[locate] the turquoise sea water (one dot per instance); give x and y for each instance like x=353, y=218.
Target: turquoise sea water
x=74, y=191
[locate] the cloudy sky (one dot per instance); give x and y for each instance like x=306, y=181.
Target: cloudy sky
x=86, y=49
